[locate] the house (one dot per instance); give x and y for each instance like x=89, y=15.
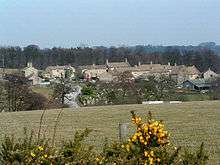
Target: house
x=197, y=84
x=29, y=70
x=209, y=74
x=60, y=71
x=31, y=74
x=115, y=65
x=91, y=71
x=106, y=76
x=192, y=72
x=180, y=73
x=99, y=71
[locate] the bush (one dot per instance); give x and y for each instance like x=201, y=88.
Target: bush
x=149, y=145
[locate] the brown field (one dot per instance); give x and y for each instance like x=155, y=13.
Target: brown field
x=189, y=123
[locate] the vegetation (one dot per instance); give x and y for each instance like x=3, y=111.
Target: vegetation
x=60, y=89
x=147, y=146
x=126, y=90
x=17, y=95
x=45, y=91
x=188, y=123
x=201, y=57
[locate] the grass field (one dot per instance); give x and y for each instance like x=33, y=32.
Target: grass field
x=189, y=123
x=45, y=91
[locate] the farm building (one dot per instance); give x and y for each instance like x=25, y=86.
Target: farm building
x=197, y=84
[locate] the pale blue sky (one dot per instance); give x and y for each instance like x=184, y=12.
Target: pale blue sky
x=69, y=23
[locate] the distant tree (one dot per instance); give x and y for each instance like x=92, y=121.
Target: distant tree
x=157, y=88
x=60, y=89
x=3, y=98
x=36, y=101
x=89, y=95
x=122, y=90
x=17, y=92
x=18, y=95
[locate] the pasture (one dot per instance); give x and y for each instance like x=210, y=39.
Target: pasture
x=189, y=123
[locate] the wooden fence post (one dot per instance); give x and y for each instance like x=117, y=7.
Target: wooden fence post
x=123, y=131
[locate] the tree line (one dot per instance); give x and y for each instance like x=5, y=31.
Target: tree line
x=17, y=57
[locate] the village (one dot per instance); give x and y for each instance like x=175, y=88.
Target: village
x=188, y=77
x=109, y=82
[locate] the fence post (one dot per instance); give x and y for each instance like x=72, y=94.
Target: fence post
x=123, y=131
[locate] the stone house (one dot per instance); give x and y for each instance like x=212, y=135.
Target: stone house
x=91, y=71
x=106, y=76
x=59, y=71
x=29, y=70
x=180, y=73
x=209, y=74
x=116, y=65
x=96, y=71
x=31, y=74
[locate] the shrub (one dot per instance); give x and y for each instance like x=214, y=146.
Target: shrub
x=149, y=145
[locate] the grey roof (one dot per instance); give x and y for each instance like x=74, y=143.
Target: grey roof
x=201, y=82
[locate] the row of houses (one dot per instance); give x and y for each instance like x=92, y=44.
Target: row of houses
x=37, y=77
x=110, y=70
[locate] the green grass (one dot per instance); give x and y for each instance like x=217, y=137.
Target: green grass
x=189, y=123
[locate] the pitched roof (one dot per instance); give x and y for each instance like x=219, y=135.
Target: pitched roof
x=82, y=67
x=118, y=64
x=210, y=71
x=184, y=70
x=57, y=67
x=201, y=82
x=192, y=70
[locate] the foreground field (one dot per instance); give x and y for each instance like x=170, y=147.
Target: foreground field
x=189, y=123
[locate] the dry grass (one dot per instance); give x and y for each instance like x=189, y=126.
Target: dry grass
x=47, y=92
x=189, y=123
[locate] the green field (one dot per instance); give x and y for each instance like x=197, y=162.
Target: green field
x=189, y=123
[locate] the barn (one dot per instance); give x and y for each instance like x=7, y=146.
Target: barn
x=197, y=84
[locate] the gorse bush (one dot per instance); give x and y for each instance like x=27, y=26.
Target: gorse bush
x=149, y=145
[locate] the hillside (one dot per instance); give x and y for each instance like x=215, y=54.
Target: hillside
x=189, y=123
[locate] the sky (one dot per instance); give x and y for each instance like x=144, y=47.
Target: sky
x=71, y=23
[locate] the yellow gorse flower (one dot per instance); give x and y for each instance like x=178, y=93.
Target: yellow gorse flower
x=148, y=135
x=45, y=155
x=33, y=154
x=40, y=148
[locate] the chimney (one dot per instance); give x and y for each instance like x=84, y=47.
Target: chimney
x=139, y=63
x=151, y=62
x=93, y=64
x=106, y=62
x=168, y=63
x=29, y=64
x=126, y=60
x=175, y=64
